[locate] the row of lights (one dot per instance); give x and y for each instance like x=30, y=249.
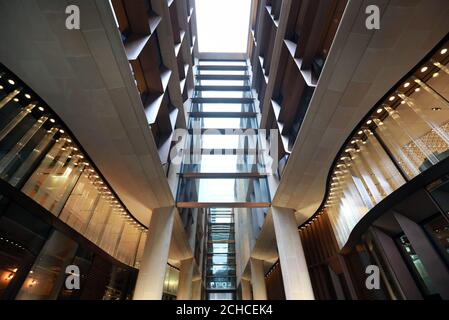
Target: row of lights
x=341, y=168
x=74, y=155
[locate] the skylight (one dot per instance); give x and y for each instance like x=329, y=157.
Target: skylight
x=223, y=25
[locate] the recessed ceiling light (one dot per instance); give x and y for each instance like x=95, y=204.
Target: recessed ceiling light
x=392, y=98
x=1, y=87
x=16, y=99
x=418, y=89
x=52, y=120
x=360, y=132
x=62, y=131
x=407, y=84
x=424, y=69
x=436, y=109
x=10, y=81
x=41, y=109
x=27, y=96
x=443, y=51
x=369, y=122
x=436, y=74
x=403, y=102
x=379, y=110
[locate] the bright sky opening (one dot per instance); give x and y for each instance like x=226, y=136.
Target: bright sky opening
x=223, y=25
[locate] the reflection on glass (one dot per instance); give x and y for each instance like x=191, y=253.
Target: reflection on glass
x=51, y=183
x=360, y=184
x=438, y=229
x=414, y=127
x=47, y=275
x=171, y=281
x=417, y=266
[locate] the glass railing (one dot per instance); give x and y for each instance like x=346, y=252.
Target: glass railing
x=404, y=135
x=223, y=107
x=224, y=191
x=42, y=159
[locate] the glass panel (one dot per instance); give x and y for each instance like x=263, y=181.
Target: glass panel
x=207, y=82
x=359, y=184
x=112, y=232
x=223, y=123
x=223, y=190
x=98, y=221
x=222, y=94
x=52, y=182
x=142, y=242
x=224, y=141
x=416, y=132
x=48, y=273
x=222, y=63
x=438, y=229
x=222, y=107
x=221, y=248
x=171, y=281
x=221, y=283
x=127, y=248
x=81, y=204
x=221, y=271
x=221, y=163
x=223, y=72
x=417, y=266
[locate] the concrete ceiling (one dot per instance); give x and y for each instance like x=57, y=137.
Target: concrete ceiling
x=362, y=66
x=85, y=78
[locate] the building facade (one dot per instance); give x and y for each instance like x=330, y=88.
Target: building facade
x=312, y=166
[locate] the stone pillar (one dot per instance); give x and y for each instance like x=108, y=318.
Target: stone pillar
x=185, y=280
x=196, y=289
x=434, y=265
x=295, y=274
x=246, y=289
x=150, y=281
x=258, y=279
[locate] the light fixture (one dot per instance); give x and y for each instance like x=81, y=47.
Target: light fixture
x=52, y=120
x=369, y=122
x=424, y=69
x=360, y=132
x=417, y=89
x=41, y=109
x=403, y=102
x=27, y=96
x=62, y=131
x=16, y=99
x=436, y=109
x=10, y=81
x=407, y=84
x=379, y=110
x=392, y=98
x=436, y=74
x=443, y=51
x=1, y=87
